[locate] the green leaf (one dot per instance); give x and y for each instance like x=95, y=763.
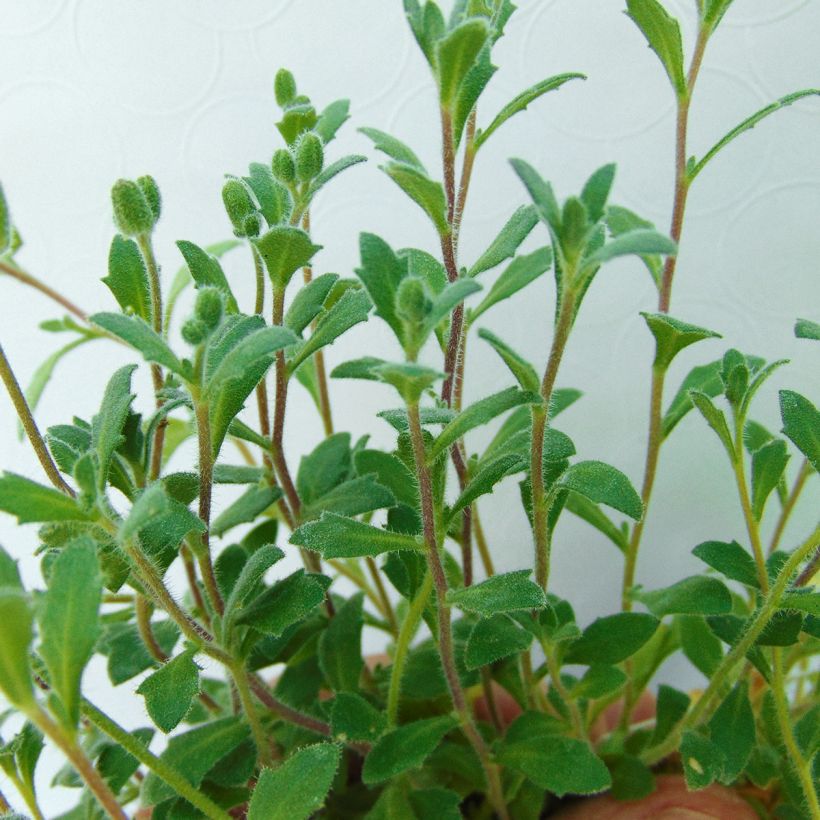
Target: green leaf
x=425, y=192
x=340, y=646
x=274, y=200
x=702, y=761
x=621, y=220
x=699, y=643
x=712, y=11
x=523, y=371
x=6, y=228
x=207, y=272
x=557, y=764
x=237, y=374
x=494, y=638
x=284, y=250
x=662, y=32
x=247, y=508
x=394, y=148
x=250, y=578
x=381, y=273
x=354, y=497
x=801, y=423
x=404, y=748
x=747, y=125
x=194, y=753
x=603, y=484
x=452, y=294
x=599, y=681
x=332, y=118
x=106, y=427
x=298, y=788
x=351, y=309
x=287, y=602
x=153, y=506
x=472, y=87
x=596, y=192
x=768, y=465
x=703, y=378
x=590, y=512
x=32, y=502
x=391, y=472
x=806, y=329
x=308, y=302
x=508, y=592
x=126, y=651
x=696, y=595
x=336, y=536
x=639, y=242
x=456, y=54
x=612, y=639
x=732, y=731
x=127, y=277
x=139, y=335
x=715, y=419
x=521, y=101
x=541, y=193
x=334, y=169
x=730, y=559
x=326, y=467
x=397, y=418
x=487, y=476
x=672, y=706
x=515, y=231
x=15, y=639
x=478, y=414
x=672, y=336
x=69, y=621
x=802, y=600
x=410, y=379
x=9, y=572
x=353, y=718
x=169, y=691
x=521, y=271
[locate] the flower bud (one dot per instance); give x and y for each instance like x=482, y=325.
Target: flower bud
x=194, y=332
x=412, y=301
x=284, y=87
x=209, y=307
x=252, y=225
x=283, y=168
x=5, y=223
x=132, y=213
x=147, y=184
x=238, y=204
x=310, y=156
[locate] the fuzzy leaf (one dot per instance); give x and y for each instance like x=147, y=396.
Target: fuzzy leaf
x=508, y=592
x=69, y=621
x=33, y=502
x=523, y=371
x=806, y=329
x=621, y=220
x=127, y=278
x=672, y=706
x=599, y=681
x=603, y=484
x=802, y=600
x=334, y=169
x=336, y=536
x=206, y=271
x=410, y=379
x=703, y=378
x=425, y=192
x=596, y=192
x=456, y=54
x=486, y=478
x=106, y=428
x=308, y=302
x=249, y=578
x=354, y=497
x=397, y=418
x=381, y=273
x=153, y=506
x=353, y=718
x=768, y=465
x=404, y=748
x=6, y=228
x=521, y=271
x=136, y=333
x=391, y=472
x=541, y=193
x=285, y=249
x=634, y=243
x=274, y=200
x=169, y=691
x=515, y=231
x=478, y=414
x=495, y=638
x=696, y=595
x=521, y=101
x=194, y=753
x=332, y=118
x=453, y=294
x=247, y=508
x=325, y=468
x=730, y=559
x=394, y=148
x=672, y=336
x=732, y=730
x=612, y=639
x=662, y=32
x=715, y=419
x=298, y=788
x=590, y=512
x=801, y=423
x=351, y=309
x=702, y=761
x=340, y=646
x=15, y=639
x=287, y=602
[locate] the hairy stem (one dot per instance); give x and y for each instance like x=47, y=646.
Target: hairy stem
x=386, y=607
x=143, y=613
x=445, y=634
x=789, y=504
x=260, y=739
x=481, y=543
x=30, y=426
x=32, y=281
x=164, y=771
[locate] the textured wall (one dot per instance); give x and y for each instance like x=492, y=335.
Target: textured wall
x=91, y=90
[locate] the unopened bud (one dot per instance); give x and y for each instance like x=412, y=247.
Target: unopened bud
x=284, y=87
x=283, y=168
x=310, y=156
x=208, y=307
x=238, y=204
x=132, y=213
x=147, y=184
x=194, y=332
x=412, y=300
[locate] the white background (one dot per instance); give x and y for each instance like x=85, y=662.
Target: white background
x=91, y=90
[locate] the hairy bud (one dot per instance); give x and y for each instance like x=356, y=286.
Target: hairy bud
x=209, y=307
x=310, y=156
x=413, y=303
x=147, y=184
x=194, y=332
x=238, y=204
x=284, y=87
x=283, y=167
x=132, y=213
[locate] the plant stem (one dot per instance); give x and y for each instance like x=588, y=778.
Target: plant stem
x=386, y=607
x=408, y=629
x=489, y=698
x=555, y=675
x=78, y=759
x=807, y=576
x=18, y=399
x=32, y=281
x=755, y=625
x=466, y=174
x=5, y=806
x=445, y=636
x=540, y=510
x=801, y=766
x=788, y=506
x=260, y=739
x=206, y=474
x=165, y=772
x=143, y=613
x=481, y=543
x=193, y=581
